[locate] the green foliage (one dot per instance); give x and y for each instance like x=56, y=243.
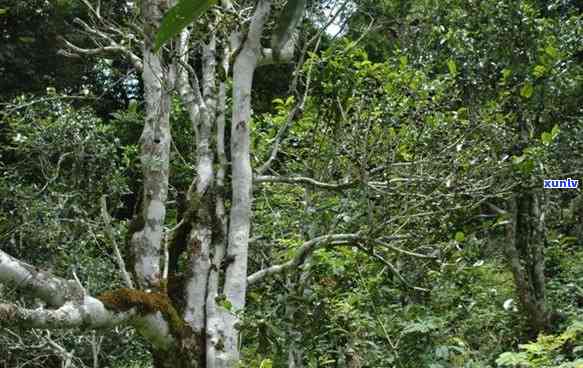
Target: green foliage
x=564, y=350
x=56, y=163
x=445, y=108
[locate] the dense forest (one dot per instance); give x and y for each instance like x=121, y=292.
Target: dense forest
x=291, y=183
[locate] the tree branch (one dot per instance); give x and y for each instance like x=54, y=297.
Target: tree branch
x=53, y=290
x=303, y=180
x=75, y=309
x=279, y=138
x=113, y=47
x=303, y=252
x=118, y=257
x=268, y=57
x=90, y=313
x=393, y=269
x=258, y=21
x=404, y=251
x=259, y=179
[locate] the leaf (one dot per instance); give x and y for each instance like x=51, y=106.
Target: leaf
x=25, y=39
x=526, y=90
x=178, y=17
x=546, y=138
x=452, y=67
x=460, y=236
x=442, y=352
x=539, y=71
x=551, y=51
x=517, y=160
x=266, y=363
x=3, y=11
x=224, y=302
x=506, y=73
x=403, y=61
x=512, y=359
x=555, y=132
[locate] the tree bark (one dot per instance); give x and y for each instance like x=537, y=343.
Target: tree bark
x=525, y=252
x=155, y=142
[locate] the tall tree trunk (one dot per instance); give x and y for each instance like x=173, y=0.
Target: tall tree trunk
x=525, y=252
x=235, y=287
x=155, y=141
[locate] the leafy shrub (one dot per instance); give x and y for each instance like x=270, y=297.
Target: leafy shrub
x=564, y=350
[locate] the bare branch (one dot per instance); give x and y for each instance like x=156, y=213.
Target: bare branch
x=119, y=259
x=404, y=251
x=104, y=50
x=304, y=180
x=189, y=91
x=95, y=11
x=393, y=269
x=278, y=138
x=303, y=252
x=496, y=209
x=112, y=47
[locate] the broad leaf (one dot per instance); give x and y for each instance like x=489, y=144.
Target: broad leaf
x=178, y=17
x=452, y=67
x=527, y=90
x=460, y=236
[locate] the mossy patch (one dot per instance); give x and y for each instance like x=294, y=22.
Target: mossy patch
x=122, y=300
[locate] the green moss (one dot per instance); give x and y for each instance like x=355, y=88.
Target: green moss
x=122, y=300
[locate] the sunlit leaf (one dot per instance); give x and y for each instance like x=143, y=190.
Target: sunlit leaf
x=178, y=17
x=25, y=39
x=551, y=51
x=460, y=236
x=546, y=138
x=266, y=363
x=539, y=71
x=527, y=90
x=452, y=67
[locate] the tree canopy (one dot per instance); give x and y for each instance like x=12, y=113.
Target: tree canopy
x=349, y=184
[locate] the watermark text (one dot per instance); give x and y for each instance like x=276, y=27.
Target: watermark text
x=561, y=183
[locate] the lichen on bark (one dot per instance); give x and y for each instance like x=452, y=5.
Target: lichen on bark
x=122, y=300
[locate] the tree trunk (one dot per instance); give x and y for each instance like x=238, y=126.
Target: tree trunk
x=186, y=356
x=146, y=239
x=525, y=251
x=187, y=309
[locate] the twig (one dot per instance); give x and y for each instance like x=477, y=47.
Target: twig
x=118, y=257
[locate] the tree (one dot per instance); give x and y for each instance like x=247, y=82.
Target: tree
x=185, y=303
x=186, y=286
x=391, y=161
